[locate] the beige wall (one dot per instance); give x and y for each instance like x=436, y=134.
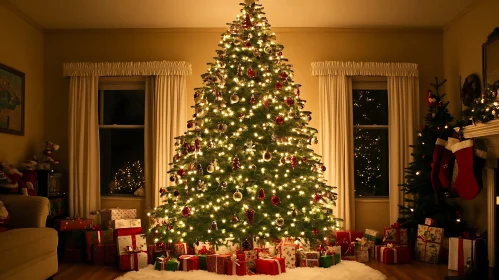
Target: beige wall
x=302, y=46
x=462, y=43
x=21, y=48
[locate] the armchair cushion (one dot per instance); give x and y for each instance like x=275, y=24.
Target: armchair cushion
x=26, y=211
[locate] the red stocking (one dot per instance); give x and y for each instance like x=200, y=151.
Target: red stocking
x=466, y=183
x=446, y=167
x=438, y=153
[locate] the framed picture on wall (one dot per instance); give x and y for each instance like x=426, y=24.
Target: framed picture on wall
x=11, y=100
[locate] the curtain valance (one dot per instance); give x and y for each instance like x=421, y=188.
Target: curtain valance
x=350, y=68
x=148, y=68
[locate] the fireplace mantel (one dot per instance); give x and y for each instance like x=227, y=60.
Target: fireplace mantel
x=489, y=132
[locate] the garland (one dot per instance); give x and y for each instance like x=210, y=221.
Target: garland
x=484, y=108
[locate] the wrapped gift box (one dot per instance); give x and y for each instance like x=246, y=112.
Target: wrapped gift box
x=104, y=254
x=344, y=238
x=429, y=243
x=374, y=236
x=236, y=267
x=188, y=263
x=202, y=262
x=262, y=251
x=126, y=231
x=460, y=254
x=288, y=253
x=217, y=263
x=228, y=247
x=362, y=255
x=94, y=237
x=73, y=224
x=154, y=251
x=308, y=258
x=395, y=235
x=330, y=250
x=430, y=222
x=125, y=223
x=133, y=261
x=204, y=247
x=134, y=242
x=270, y=266
x=164, y=263
x=329, y=260
x=109, y=215
x=180, y=249
x=392, y=255
x=250, y=256
x=444, y=251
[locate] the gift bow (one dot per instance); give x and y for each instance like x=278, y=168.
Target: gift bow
x=363, y=242
x=131, y=250
x=389, y=245
x=203, y=251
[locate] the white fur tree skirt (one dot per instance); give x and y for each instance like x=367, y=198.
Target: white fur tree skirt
x=350, y=270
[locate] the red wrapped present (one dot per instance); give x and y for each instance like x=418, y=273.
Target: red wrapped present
x=72, y=255
x=104, y=254
x=250, y=256
x=180, y=249
x=73, y=224
x=308, y=258
x=430, y=222
x=217, y=263
x=132, y=243
x=126, y=231
x=188, y=263
x=461, y=252
x=133, y=260
x=236, y=266
x=344, y=238
x=270, y=266
x=154, y=251
x=389, y=254
x=93, y=237
x=395, y=235
x=259, y=251
x=429, y=243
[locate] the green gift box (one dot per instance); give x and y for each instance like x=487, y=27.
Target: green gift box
x=164, y=264
x=329, y=260
x=202, y=262
x=374, y=236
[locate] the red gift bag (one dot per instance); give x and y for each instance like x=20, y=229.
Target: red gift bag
x=344, y=239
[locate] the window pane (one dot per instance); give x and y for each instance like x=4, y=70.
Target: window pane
x=119, y=149
x=370, y=107
x=122, y=107
x=371, y=162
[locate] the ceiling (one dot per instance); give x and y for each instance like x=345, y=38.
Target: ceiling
x=89, y=14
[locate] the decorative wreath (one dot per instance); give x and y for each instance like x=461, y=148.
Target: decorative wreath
x=472, y=88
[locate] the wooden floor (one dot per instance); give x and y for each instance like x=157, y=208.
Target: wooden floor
x=414, y=271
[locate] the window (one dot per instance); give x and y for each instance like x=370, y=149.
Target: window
x=370, y=119
x=121, y=132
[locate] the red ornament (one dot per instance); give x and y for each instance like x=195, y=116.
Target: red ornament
x=431, y=99
x=275, y=200
x=251, y=72
x=192, y=148
x=266, y=103
x=278, y=86
x=247, y=22
x=172, y=178
x=176, y=193
x=279, y=120
x=315, y=231
x=294, y=162
x=250, y=216
x=248, y=44
x=190, y=124
x=323, y=168
x=181, y=172
x=186, y=211
x=279, y=53
x=304, y=159
x=214, y=226
x=235, y=163
x=317, y=197
x=283, y=75
x=241, y=115
x=162, y=190
x=290, y=101
x=239, y=70
x=298, y=92
x=252, y=99
x=261, y=194
x=169, y=227
x=197, y=144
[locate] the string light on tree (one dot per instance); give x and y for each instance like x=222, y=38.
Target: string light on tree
x=244, y=167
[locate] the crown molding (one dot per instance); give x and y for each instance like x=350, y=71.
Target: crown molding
x=11, y=7
x=462, y=14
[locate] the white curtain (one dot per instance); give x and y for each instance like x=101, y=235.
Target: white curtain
x=337, y=126
x=336, y=134
x=402, y=113
x=166, y=119
x=84, y=171
x=166, y=107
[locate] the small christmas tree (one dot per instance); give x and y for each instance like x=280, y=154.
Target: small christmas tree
x=245, y=168
x=128, y=178
x=422, y=200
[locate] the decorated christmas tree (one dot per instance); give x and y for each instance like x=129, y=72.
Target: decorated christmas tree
x=128, y=178
x=424, y=196
x=245, y=167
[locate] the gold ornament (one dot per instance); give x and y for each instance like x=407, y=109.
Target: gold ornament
x=267, y=156
x=237, y=196
x=234, y=98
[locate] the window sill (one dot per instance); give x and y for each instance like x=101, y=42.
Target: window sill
x=383, y=199
x=121, y=197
